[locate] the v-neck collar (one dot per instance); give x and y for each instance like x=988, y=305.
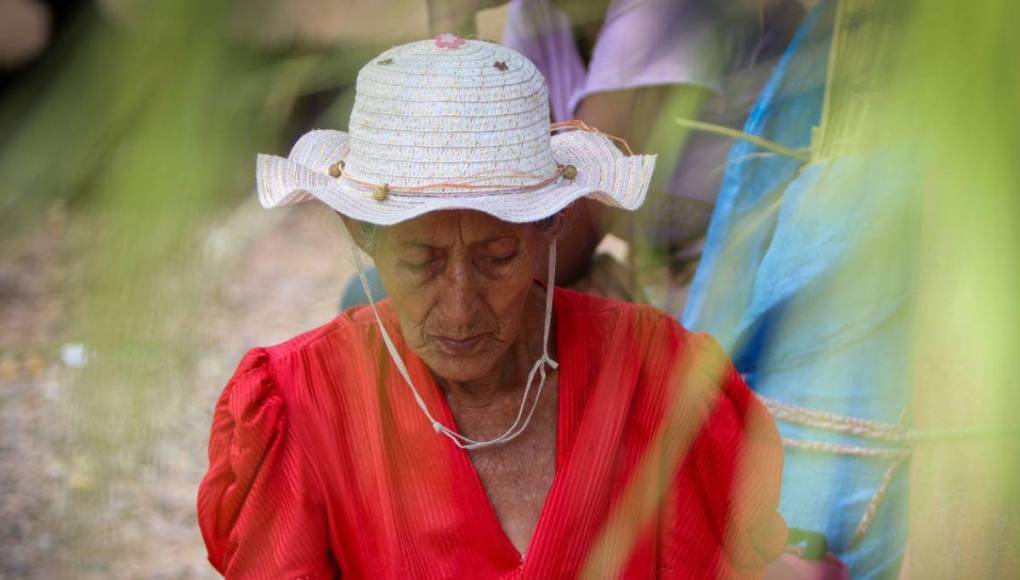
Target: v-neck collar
x=481, y=503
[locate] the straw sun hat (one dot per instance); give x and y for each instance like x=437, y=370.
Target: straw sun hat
x=449, y=123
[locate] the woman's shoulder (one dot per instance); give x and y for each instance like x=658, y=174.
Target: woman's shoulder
x=656, y=342
x=335, y=338
x=607, y=321
x=688, y=382
x=355, y=322
x=258, y=468
x=272, y=382
x=298, y=370
x=607, y=310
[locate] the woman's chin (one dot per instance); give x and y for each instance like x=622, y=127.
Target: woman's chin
x=460, y=367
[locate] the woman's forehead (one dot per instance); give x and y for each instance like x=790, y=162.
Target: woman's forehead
x=444, y=227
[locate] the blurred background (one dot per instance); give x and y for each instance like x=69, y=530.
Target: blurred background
x=137, y=266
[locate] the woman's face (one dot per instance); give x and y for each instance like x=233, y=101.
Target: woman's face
x=459, y=281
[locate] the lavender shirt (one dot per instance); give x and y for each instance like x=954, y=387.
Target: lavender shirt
x=645, y=43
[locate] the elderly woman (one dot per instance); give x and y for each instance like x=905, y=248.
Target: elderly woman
x=478, y=423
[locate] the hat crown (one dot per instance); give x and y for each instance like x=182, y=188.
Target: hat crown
x=437, y=111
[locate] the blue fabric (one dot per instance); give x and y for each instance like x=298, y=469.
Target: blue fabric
x=806, y=280
x=354, y=294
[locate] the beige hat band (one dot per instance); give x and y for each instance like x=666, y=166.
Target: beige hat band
x=486, y=182
x=404, y=173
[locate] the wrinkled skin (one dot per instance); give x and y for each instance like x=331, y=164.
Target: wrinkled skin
x=468, y=277
x=462, y=284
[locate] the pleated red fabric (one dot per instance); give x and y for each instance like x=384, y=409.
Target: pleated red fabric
x=322, y=466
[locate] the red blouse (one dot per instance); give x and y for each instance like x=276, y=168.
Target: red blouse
x=321, y=464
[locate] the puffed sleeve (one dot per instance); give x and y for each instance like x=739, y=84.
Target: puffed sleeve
x=259, y=506
x=735, y=465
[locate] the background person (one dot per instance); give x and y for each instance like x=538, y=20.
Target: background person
x=629, y=67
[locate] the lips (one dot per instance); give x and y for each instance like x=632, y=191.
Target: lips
x=459, y=346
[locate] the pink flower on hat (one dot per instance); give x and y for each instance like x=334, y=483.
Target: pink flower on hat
x=449, y=40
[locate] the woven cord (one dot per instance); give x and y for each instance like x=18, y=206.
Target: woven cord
x=833, y=422
x=580, y=125
x=853, y=426
x=539, y=367
x=471, y=184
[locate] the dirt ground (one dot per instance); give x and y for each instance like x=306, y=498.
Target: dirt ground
x=279, y=273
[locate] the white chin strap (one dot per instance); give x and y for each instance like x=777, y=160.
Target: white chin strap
x=539, y=368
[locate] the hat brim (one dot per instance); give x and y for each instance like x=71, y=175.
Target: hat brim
x=604, y=173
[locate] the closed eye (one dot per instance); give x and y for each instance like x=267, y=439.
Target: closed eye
x=418, y=266
x=422, y=263
x=500, y=251
x=501, y=260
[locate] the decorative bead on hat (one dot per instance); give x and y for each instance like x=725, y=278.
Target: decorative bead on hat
x=449, y=40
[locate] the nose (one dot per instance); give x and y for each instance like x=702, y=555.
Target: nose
x=459, y=295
